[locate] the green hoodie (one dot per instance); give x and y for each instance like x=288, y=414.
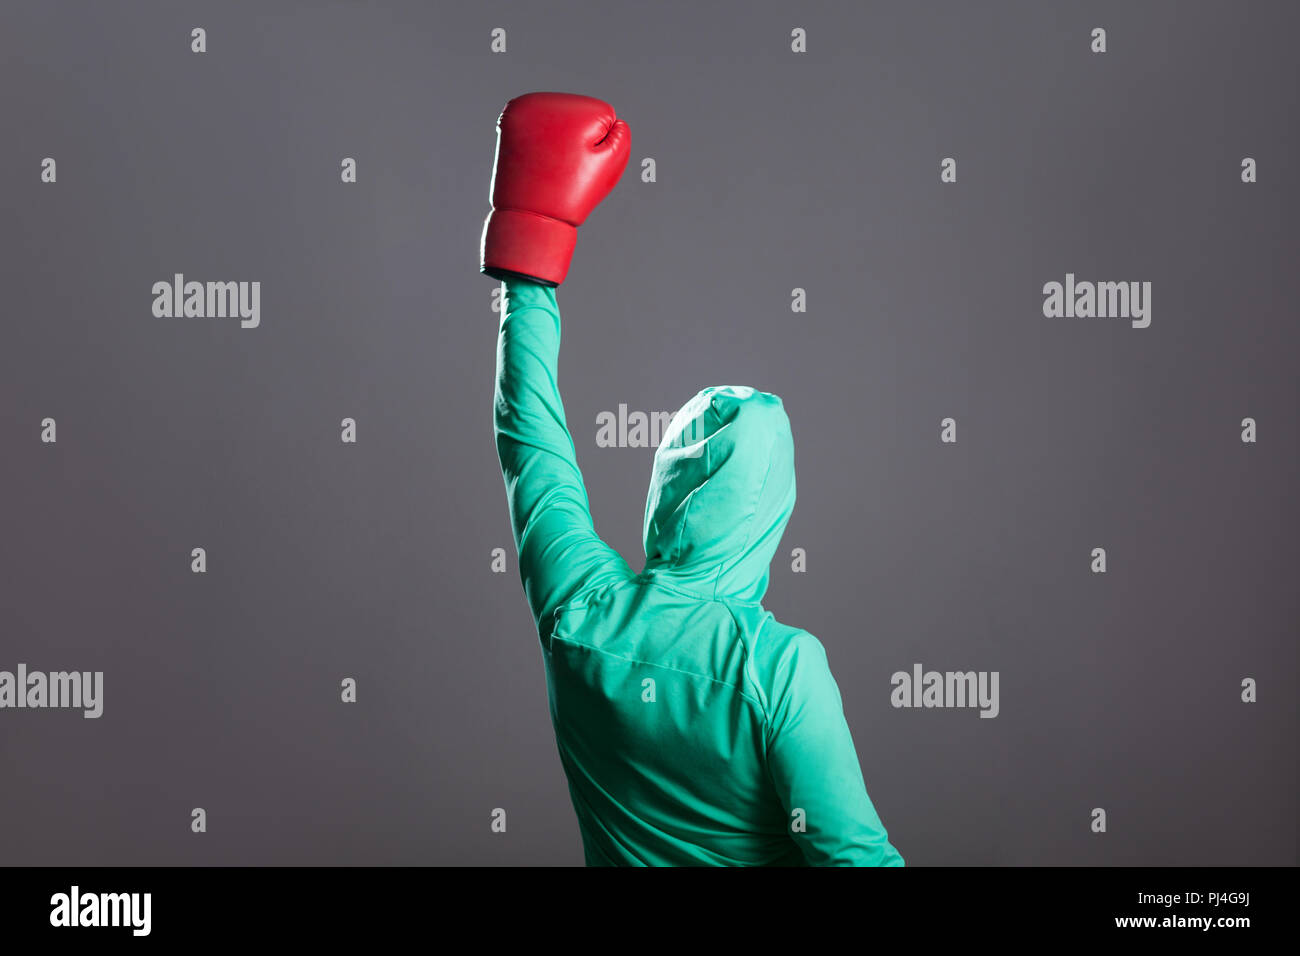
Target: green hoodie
x=694, y=729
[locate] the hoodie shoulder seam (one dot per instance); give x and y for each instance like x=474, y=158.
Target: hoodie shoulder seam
x=761, y=698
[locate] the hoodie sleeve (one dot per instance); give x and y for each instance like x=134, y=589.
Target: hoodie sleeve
x=814, y=765
x=559, y=551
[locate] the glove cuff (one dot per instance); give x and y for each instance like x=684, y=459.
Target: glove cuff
x=526, y=244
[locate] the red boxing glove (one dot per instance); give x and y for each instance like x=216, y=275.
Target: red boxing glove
x=558, y=155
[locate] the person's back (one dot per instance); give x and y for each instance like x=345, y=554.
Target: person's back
x=692, y=726
x=657, y=699
x=657, y=735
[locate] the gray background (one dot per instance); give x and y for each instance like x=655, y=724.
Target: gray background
x=775, y=170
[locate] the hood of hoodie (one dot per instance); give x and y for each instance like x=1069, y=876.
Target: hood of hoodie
x=721, y=493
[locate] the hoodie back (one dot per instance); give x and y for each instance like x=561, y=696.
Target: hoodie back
x=694, y=729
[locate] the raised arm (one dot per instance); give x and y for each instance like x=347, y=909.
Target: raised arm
x=558, y=155
x=559, y=550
